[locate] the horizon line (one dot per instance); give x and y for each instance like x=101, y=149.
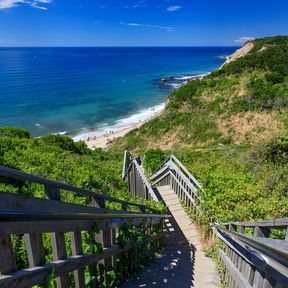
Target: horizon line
x=126, y=46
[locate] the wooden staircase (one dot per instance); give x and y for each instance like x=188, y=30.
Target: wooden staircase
x=183, y=263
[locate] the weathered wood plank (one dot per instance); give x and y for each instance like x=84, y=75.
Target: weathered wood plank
x=16, y=174
x=276, y=223
x=7, y=261
x=261, y=232
x=52, y=192
x=238, y=277
x=76, y=245
x=24, y=203
x=37, y=275
x=35, y=249
x=59, y=253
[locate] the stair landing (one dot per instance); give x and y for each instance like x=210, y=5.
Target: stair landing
x=183, y=264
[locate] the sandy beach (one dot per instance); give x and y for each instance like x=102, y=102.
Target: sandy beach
x=103, y=137
x=104, y=140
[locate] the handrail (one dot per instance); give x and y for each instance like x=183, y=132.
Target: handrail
x=188, y=174
x=136, y=187
x=23, y=176
x=257, y=244
x=274, y=223
x=126, y=163
x=41, y=216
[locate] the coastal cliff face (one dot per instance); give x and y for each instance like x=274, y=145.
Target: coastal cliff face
x=242, y=52
x=244, y=102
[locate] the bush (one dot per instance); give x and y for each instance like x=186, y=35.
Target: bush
x=14, y=132
x=277, y=150
x=153, y=159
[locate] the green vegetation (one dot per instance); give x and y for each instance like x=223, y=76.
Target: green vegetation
x=244, y=102
x=230, y=130
x=59, y=158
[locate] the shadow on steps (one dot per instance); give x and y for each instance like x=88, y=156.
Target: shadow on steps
x=175, y=268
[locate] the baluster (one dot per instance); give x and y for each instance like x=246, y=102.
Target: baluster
x=52, y=192
x=258, y=280
x=232, y=227
x=269, y=283
x=98, y=202
x=114, y=235
x=249, y=272
x=76, y=244
x=286, y=238
x=261, y=232
x=242, y=229
x=104, y=238
x=35, y=249
x=7, y=263
x=59, y=253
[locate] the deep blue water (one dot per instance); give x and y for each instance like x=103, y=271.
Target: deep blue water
x=48, y=90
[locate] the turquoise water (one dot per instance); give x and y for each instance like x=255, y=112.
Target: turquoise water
x=75, y=90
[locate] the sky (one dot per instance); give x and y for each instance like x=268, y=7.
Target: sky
x=139, y=22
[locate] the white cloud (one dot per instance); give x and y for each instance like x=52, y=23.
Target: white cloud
x=38, y=4
x=165, y=28
x=244, y=39
x=140, y=3
x=173, y=8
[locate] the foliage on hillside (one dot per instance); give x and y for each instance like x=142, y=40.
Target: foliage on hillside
x=230, y=130
x=244, y=102
x=59, y=158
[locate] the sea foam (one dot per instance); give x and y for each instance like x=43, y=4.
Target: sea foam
x=122, y=124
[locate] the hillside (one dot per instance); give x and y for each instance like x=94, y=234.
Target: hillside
x=230, y=131
x=245, y=102
x=57, y=157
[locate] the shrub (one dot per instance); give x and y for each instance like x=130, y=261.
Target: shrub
x=14, y=132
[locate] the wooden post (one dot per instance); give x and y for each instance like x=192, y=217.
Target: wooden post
x=98, y=202
x=258, y=280
x=232, y=227
x=53, y=192
x=261, y=232
x=104, y=238
x=35, y=249
x=242, y=229
x=7, y=263
x=76, y=244
x=59, y=253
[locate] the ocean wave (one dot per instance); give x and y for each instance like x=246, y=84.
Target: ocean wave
x=122, y=124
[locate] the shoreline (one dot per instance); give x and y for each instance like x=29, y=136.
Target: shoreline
x=104, y=136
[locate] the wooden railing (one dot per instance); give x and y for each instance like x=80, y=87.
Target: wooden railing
x=254, y=261
x=249, y=261
x=173, y=173
x=53, y=190
x=37, y=218
x=138, y=185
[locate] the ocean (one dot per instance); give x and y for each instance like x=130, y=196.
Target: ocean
x=74, y=91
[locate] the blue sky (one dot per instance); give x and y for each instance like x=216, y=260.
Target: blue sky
x=139, y=22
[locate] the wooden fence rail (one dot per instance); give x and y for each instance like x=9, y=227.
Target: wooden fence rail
x=32, y=220
x=251, y=257
x=184, y=184
x=53, y=190
x=138, y=185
